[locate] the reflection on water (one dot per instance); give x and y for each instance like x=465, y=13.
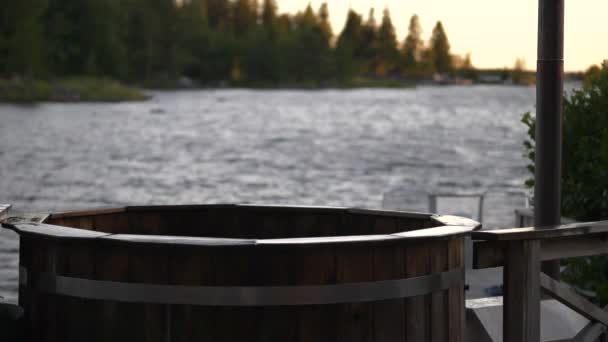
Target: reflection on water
x=346, y=148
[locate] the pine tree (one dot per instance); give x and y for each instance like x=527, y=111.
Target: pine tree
x=518, y=73
x=193, y=38
x=369, y=44
x=22, y=34
x=440, y=50
x=346, y=51
x=218, y=12
x=101, y=40
x=208, y=40
x=324, y=22
x=326, y=69
x=308, y=18
x=4, y=37
x=245, y=16
x=285, y=25
x=352, y=29
x=269, y=15
x=262, y=53
x=388, y=52
x=467, y=69
x=309, y=49
x=87, y=37
x=467, y=64
x=413, y=46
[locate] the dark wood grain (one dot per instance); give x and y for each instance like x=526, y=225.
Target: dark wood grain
x=417, y=308
x=355, y=264
x=116, y=223
x=251, y=223
x=224, y=222
x=573, y=247
x=316, y=322
x=192, y=266
x=237, y=267
x=390, y=213
x=439, y=299
x=487, y=254
x=521, y=318
x=114, y=318
x=385, y=225
x=149, y=264
x=54, y=316
x=389, y=316
x=244, y=245
x=26, y=300
x=274, y=267
x=305, y=225
x=79, y=257
x=149, y=223
x=93, y=212
x=360, y=224
x=456, y=301
x=42, y=306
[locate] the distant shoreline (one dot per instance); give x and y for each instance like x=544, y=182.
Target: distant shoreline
x=89, y=89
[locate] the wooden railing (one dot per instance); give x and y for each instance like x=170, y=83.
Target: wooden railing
x=4, y=211
x=520, y=251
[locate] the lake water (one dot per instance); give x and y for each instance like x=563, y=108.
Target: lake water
x=364, y=148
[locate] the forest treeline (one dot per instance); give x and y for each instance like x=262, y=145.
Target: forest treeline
x=212, y=42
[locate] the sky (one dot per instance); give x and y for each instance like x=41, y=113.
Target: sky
x=495, y=32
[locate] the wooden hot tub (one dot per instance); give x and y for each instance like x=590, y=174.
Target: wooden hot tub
x=242, y=273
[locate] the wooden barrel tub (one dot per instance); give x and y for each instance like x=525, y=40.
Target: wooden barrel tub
x=242, y=273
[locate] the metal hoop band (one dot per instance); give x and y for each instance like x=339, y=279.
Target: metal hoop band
x=240, y=296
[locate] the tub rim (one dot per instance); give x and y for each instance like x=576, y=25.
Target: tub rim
x=34, y=225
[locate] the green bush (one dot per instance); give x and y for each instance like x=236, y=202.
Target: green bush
x=24, y=90
x=584, y=171
x=67, y=90
x=99, y=89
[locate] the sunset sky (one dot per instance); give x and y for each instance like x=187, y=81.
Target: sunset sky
x=495, y=32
